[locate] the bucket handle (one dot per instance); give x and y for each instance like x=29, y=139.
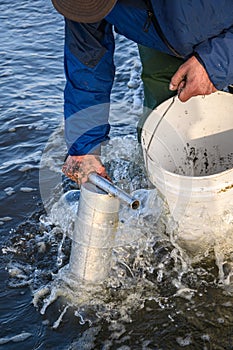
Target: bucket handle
x=154, y=131
x=159, y=122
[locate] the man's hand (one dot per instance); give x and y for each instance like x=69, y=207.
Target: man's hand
x=191, y=79
x=77, y=168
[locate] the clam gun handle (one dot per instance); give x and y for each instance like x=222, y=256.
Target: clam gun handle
x=113, y=190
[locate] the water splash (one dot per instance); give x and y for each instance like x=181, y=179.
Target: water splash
x=126, y=273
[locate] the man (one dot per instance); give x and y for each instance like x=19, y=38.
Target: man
x=186, y=47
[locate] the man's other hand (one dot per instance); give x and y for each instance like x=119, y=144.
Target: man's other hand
x=77, y=168
x=191, y=79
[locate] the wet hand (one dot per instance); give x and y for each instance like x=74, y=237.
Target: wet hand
x=77, y=168
x=191, y=79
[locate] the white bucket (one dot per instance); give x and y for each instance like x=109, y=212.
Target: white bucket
x=188, y=153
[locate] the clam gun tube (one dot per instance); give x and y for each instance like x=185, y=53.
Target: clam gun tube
x=95, y=228
x=113, y=190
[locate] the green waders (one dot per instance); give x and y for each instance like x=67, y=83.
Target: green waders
x=157, y=70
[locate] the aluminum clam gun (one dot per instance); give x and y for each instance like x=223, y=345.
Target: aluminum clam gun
x=113, y=190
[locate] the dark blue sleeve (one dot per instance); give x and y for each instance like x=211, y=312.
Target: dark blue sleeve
x=89, y=70
x=217, y=56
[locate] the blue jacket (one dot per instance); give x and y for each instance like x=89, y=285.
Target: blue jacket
x=203, y=27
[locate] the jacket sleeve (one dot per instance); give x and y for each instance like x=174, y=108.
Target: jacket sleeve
x=89, y=70
x=217, y=57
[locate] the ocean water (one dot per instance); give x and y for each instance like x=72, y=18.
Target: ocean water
x=156, y=297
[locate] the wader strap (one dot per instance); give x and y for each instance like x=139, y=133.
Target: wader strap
x=158, y=29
